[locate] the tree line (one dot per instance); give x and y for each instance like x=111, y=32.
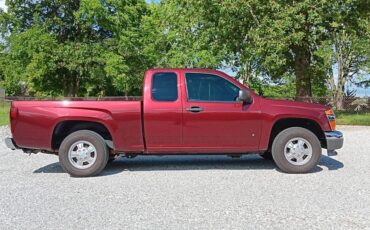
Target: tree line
x=103, y=47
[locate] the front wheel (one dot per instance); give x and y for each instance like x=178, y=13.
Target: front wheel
x=296, y=150
x=83, y=153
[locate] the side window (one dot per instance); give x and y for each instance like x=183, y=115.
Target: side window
x=208, y=87
x=164, y=87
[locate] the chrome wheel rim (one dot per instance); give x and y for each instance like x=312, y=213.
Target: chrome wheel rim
x=82, y=154
x=298, y=151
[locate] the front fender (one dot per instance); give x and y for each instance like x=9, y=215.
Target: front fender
x=274, y=111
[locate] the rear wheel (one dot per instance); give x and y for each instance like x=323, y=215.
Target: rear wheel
x=83, y=153
x=296, y=150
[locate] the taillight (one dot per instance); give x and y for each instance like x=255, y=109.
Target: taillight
x=331, y=118
x=13, y=113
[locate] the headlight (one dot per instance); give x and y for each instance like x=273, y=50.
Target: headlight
x=331, y=118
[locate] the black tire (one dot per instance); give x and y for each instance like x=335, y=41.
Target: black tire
x=283, y=138
x=266, y=155
x=102, y=154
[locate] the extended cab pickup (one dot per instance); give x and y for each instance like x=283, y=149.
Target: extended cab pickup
x=182, y=111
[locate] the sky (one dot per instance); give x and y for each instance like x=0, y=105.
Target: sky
x=2, y=4
x=359, y=91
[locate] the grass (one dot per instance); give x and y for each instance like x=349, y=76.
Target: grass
x=343, y=118
x=4, y=113
x=353, y=118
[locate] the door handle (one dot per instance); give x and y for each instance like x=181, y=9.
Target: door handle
x=194, y=109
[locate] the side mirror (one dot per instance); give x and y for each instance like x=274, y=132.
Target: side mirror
x=245, y=96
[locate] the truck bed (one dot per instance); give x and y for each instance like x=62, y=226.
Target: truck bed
x=37, y=121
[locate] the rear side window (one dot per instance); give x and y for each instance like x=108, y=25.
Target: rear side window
x=164, y=87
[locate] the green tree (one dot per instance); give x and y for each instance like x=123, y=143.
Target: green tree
x=257, y=38
x=95, y=47
x=347, y=47
x=177, y=36
x=73, y=48
x=125, y=60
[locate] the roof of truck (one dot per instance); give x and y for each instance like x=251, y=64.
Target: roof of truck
x=201, y=70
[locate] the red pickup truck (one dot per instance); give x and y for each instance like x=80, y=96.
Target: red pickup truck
x=182, y=111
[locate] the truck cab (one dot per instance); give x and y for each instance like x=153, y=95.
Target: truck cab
x=200, y=112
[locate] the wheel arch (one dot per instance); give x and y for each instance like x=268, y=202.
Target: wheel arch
x=306, y=123
x=63, y=128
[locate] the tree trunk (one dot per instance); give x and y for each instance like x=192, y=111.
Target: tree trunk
x=245, y=79
x=342, y=77
x=339, y=93
x=337, y=89
x=74, y=86
x=65, y=86
x=302, y=63
x=339, y=99
x=126, y=89
x=247, y=74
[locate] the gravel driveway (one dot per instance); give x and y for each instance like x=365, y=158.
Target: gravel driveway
x=203, y=192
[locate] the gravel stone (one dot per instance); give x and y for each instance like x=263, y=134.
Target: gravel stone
x=188, y=192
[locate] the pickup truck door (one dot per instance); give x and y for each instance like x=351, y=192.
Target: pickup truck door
x=162, y=112
x=213, y=121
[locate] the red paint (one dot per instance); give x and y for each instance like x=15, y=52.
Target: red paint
x=168, y=127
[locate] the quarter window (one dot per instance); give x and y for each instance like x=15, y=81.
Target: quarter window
x=164, y=87
x=208, y=87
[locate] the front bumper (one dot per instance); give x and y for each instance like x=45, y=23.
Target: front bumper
x=10, y=143
x=334, y=140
